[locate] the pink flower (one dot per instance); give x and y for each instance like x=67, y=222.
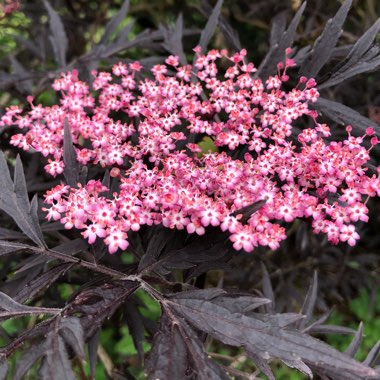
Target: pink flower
x=166, y=178
x=93, y=231
x=243, y=239
x=116, y=239
x=349, y=234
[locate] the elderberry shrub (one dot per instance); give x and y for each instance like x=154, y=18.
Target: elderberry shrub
x=135, y=205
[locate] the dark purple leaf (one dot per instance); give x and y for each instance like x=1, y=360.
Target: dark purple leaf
x=331, y=329
x=262, y=365
x=15, y=309
x=276, y=53
x=43, y=281
x=28, y=359
x=177, y=353
x=352, y=349
x=135, y=324
x=58, y=38
x=266, y=340
x=3, y=369
x=19, y=186
x=115, y=21
x=10, y=246
x=361, y=58
x=267, y=289
x=24, y=85
x=106, y=179
x=71, y=171
x=318, y=322
x=372, y=355
x=277, y=320
x=345, y=115
x=229, y=33
x=95, y=304
x=30, y=45
x=308, y=306
x=300, y=365
x=123, y=34
x=363, y=43
x=278, y=26
x=324, y=44
x=14, y=200
x=146, y=36
x=72, y=332
x=72, y=247
x=200, y=294
x=210, y=27
x=247, y=211
x=34, y=207
x=40, y=329
x=93, y=344
x=56, y=364
x=236, y=303
x=370, y=62
x=156, y=244
x=7, y=234
x=205, y=253
x=173, y=39
x=168, y=358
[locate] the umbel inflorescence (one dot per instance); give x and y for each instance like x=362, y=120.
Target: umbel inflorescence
x=144, y=132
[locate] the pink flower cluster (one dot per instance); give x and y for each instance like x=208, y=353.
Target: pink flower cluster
x=145, y=132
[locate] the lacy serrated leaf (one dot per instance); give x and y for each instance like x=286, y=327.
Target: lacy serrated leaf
x=278, y=26
x=7, y=234
x=43, y=281
x=72, y=332
x=24, y=86
x=276, y=53
x=58, y=36
x=331, y=329
x=177, y=353
x=247, y=211
x=135, y=324
x=199, y=257
x=300, y=365
x=345, y=115
x=309, y=303
x=361, y=58
x=210, y=27
x=71, y=170
x=115, y=21
x=263, y=339
x=10, y=246
x=262, y=365
x=28, y=359
x=56, y=364
x=236, y=303
x=156, y=244
x=372, y=355
x=173, y=39
x=93, y=343
x=15, y=309
x=324, y=44
x=267, y=289
x=352, y=349
x=3, y=369
x=14, y=201
x=229, y=33
x=144, y=37
x=98, y=303
x=168, y=358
